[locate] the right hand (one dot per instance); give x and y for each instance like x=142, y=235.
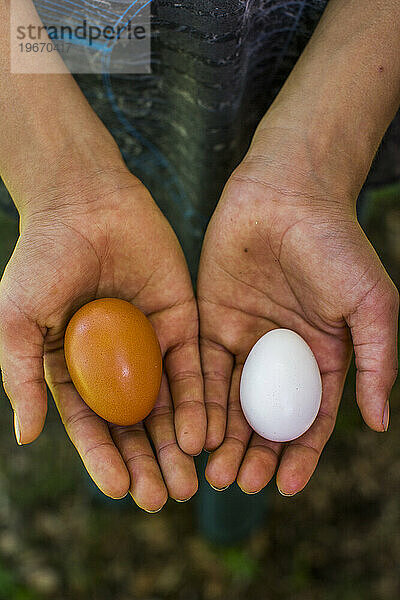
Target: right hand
x=284, y=249
x=99, y=237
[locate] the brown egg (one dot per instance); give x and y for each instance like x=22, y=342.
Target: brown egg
x=114, y=359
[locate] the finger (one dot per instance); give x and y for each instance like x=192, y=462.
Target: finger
x=301, y=456
x=147, y=485
x=223, y=464
x=88, y=432
x=21, y=359
x=177, y=467
x=259, y=464
x=374, y=332
x=182, y=364
x=217, y=364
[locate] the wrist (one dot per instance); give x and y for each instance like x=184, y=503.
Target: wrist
x=316, y=146
x=76, y=187
x=62, y=165
x=49, y=135
x=297, y=170
x=333, y=145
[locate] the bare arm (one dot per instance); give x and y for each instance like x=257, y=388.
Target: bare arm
x=47, y=128
x=345, y=89
x=284, y=248
x=85, y=228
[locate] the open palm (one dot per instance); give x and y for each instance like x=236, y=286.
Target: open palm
x=273, y=259
x=106, y=242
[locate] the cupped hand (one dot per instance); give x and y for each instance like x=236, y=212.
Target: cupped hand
x=284, y=249
x=104, y=237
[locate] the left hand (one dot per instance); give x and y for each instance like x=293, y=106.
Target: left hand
x=103, y=236
x=284, y=249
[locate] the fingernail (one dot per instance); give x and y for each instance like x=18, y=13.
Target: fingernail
x=151, y=512
x=185, y=500
x=219, y=489
x=249, y=493
x=385, y=419
x=17, y=429
x=286, y=495
x=119, y=497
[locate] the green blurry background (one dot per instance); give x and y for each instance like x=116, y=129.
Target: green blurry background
x=338, y=539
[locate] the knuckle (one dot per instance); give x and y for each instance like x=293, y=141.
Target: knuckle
x=123, y=431
x=166, y=446
x=159, y=412
x=189, y=403
x=182, y=344
x=76, y=418
x=212, y=404
x=96, y=446
x=183, y=376
x=263, y=451
x=213, y=376
x=235, y=440
x=140, y=456
x=307, y=446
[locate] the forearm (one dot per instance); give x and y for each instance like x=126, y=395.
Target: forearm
x=345, y=88
x=48, y=131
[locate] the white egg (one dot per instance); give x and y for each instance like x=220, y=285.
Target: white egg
x=280, y=387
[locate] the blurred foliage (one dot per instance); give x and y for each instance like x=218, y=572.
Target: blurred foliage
x=239, y=564
x=381, y=218
x=10, y=588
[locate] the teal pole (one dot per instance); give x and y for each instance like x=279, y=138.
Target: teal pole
x=229, y=516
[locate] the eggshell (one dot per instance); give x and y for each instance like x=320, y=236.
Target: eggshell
x=114, y=360
x=280, y=387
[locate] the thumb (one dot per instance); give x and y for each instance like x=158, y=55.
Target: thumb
x=373, y=326
x=21, y=360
